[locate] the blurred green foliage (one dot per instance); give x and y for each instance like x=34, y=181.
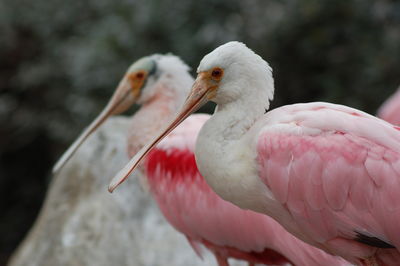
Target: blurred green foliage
x=60, y=61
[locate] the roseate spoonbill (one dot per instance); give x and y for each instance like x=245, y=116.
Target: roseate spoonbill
x=178, y=188
x=390, y=110
x=328, y=173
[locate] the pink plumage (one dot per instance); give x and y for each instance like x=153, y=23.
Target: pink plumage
x=337, y=172
x=390, y=110
x=190, y=205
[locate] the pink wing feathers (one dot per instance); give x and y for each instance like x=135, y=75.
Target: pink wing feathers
x=194, y=209
x=390, y=110
x=337, y=171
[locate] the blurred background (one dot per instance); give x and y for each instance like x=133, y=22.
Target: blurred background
x=61, y=60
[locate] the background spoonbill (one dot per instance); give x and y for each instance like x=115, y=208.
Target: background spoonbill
x=390, y=109
x=328, y=173
x=180, y=191
x=82, y=224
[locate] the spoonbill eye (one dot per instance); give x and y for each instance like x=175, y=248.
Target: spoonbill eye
x=140, y=75
x=217, y=73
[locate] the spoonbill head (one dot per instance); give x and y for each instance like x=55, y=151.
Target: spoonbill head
x=140, y=84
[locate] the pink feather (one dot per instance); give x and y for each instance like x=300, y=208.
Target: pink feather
x=342, y=177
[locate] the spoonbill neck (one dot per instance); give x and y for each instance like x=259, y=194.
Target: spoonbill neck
x=231, y=121
x=147, y=121
x=224, y=154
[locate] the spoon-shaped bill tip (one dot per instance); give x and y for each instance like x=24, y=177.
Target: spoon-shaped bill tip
x=124, y=173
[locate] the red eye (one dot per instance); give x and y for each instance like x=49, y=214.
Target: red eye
x=217, y=73
x=140, y=75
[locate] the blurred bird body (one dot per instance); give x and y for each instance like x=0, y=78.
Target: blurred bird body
x=390, y=110
x=328, y=173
